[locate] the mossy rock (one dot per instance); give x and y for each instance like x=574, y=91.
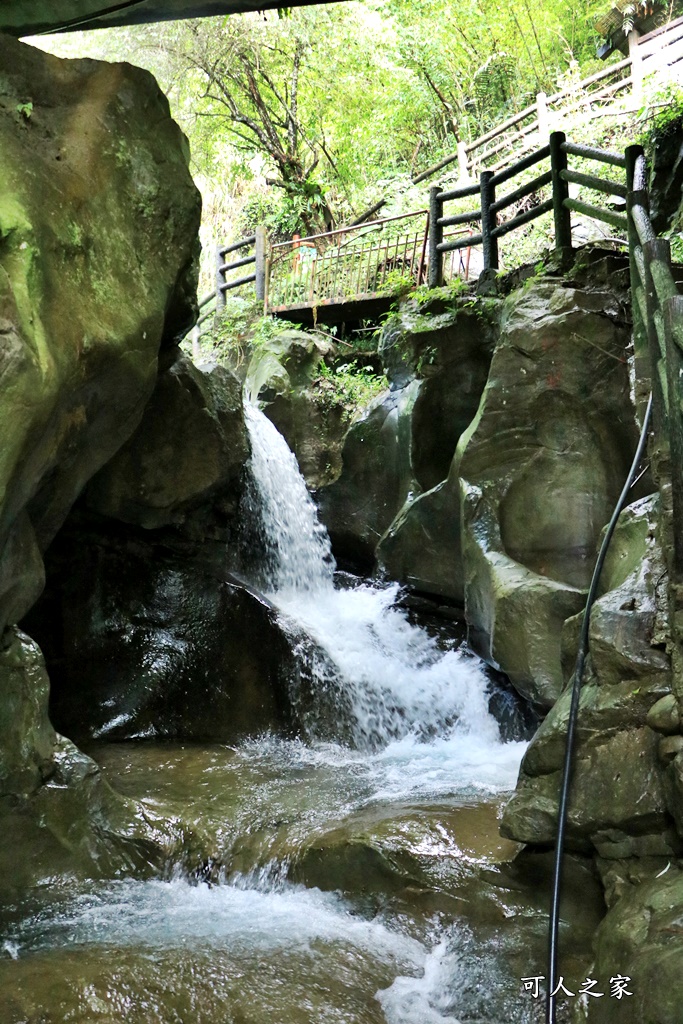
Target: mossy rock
x=99, y=226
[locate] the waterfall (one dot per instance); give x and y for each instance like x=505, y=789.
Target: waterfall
x=298, y=556
x=394, y=679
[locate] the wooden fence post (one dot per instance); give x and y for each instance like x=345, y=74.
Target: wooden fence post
x=637, y=195
x=673, y=331
x=542, y=116
x=488, y=221
x=435, y=237
x=563, y=217
x=220, y=279
x=260, y=253
x=463, y=164
x=636, y=68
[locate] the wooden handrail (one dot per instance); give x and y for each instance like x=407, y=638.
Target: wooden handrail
x=667, y=34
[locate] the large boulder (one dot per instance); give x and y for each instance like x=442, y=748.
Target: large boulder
x=98, y=219
x=639, y=939
x=619, y=805
x=188, y=451
x=449, y=345
x=541, y=468
x=377, y=476
x=54, y=802
x=144, y=641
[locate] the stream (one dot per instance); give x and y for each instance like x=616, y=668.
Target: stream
x=353, y=879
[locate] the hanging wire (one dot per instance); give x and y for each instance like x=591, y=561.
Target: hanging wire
x=554, y=924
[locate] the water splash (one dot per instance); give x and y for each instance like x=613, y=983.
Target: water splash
x=392, y=680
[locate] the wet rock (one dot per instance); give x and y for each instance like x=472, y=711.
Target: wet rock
x=450, y=349
x=376, y=478
x=54, y=802
x=619, y=804
x=669, y=747
x=428, y=862
x=640, y=939
x=283, y=376
x=674, y=787
x=541, y=467
x=421, y=547
x=450, y=345
x=99, y=219
x=664, y=715
x=27, y=739
x=189, y=449
x=143, y=641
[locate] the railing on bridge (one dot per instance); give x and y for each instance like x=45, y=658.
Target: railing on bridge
x=356, y=263
x=524, y=131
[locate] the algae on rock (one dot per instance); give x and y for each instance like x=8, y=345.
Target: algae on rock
x=98, y=243
x=541, y=467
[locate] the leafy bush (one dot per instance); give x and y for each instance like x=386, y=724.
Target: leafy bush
x=348, y=384
x=662, y=115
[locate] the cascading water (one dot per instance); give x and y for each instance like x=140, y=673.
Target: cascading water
x=396, y=681
x=334, y=856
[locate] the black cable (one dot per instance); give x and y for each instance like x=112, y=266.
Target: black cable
x=76, y=22
x=571, y=725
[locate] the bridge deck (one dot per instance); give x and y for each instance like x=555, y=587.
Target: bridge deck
x=336, y=311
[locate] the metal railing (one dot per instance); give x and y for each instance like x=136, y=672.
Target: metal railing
x=355, y=263
x=350, y=263
x=224, y=280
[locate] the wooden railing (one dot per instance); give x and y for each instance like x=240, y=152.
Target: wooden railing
x=525, y=130
x=557, y=175
x=658, y=345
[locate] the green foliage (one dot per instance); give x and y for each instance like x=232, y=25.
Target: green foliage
x=448, y=293
x=662, y=115
x=240, y=328
x=24, y=110
x=398, y=283
x=676, y=243
x=349, y=384
x=383, y=88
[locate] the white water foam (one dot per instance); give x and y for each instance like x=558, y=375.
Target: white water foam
x=403, y=691
x=245, y=918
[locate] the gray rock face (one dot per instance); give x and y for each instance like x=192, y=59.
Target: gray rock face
x=640, y=939
x=99, y=218
x=619, y=805
x=541, y=467
x=422, y=545
x=451, y=350
x=448, y=345
x=190, y=447
x=376, y=478
x=312, y=418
